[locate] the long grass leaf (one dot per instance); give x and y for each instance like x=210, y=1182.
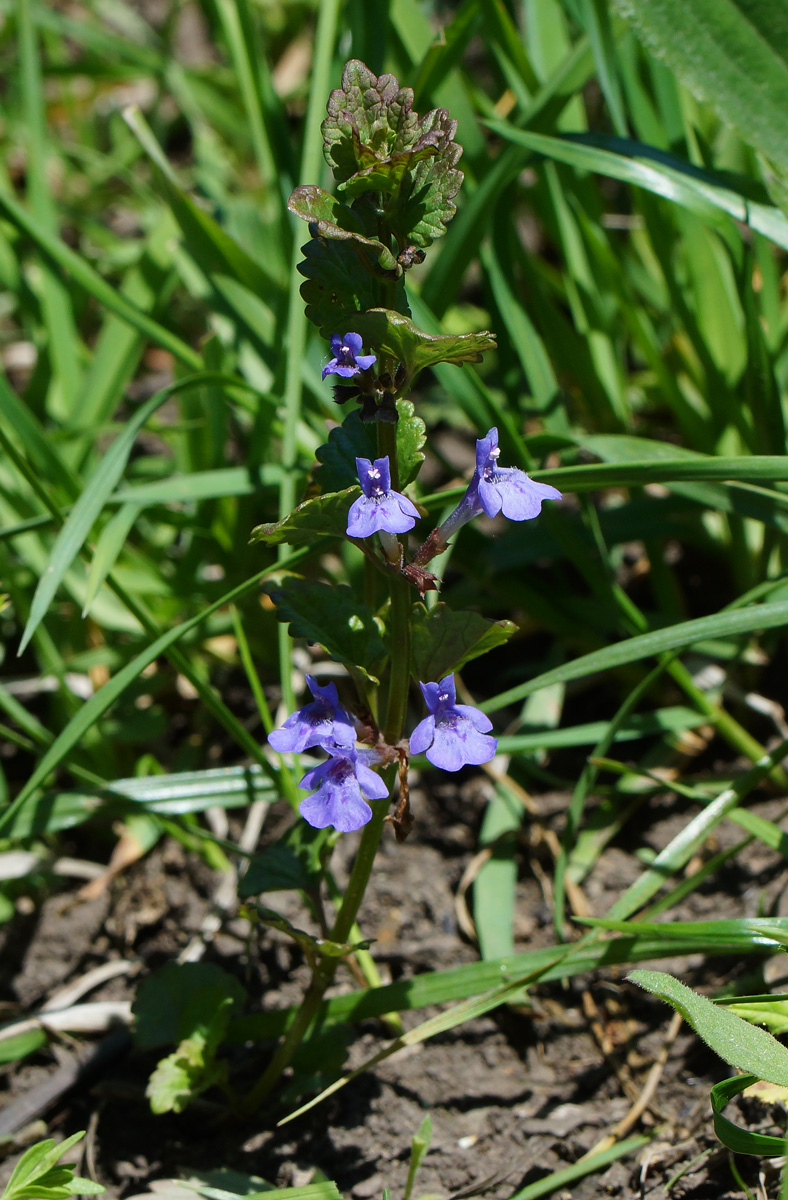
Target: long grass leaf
x=646, y=645
x=98, y=704
x=95, y=495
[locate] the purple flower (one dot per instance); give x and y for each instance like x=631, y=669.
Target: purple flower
x=337, y=799
x=324, y=720
x=378, y=508
x=506, y=489
x=453, y=734
x=495, y=489
x=348, y=359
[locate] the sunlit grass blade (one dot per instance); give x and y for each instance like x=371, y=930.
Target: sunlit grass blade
x=86, y=277
x=102, y=700
x=459, y=1015
x=443, y=987
x=95, y=495
x=702, y=191
x=686, y=633
x=109, y=545
x=494, y=886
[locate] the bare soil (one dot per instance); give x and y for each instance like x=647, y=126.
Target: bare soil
x=513, y=1096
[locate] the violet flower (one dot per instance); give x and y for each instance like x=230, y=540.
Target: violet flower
x=324, y=720
x=453, y=735
x=378, y=509
x=348, y=359
x=337, y=799
x=495, y=489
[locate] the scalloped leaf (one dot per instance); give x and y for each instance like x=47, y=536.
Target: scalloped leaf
x=393, y=333
x=183, y=1075
x=334, y=617
x=444, y=640
x=369, y=118
x=181, y=999
x=388, y=175
x=375, y=142
x=338, y=286
x=353, y=439
x=335, y=220
x=322, y=516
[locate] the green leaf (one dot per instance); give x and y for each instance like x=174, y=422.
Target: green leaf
x=727, y=623
x=741, y=1141
x=111, y=541
x=418, y=1150
x=441, y=987
x=89, y=712
x=56, y=250
x=333, y=616
x=495, y=883
x=338, y=286
x=322, y=516
x=706, y=192
x=14, y=1048
x=443, y=640
x=375, y=142
x=732, y=54
x=180, y=1000
x=354, y=439
x=395, y=334
x=38, y=1177
x=736, y=1041
x=92, y=500
x=332, y=219
x=185, y=1074
x=293, y=862
x=772, y=1014
x=313, y=947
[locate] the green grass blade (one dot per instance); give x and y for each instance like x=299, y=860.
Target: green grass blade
x=109, y=545
x=95, y=495
x=586, y=1165
x=90, y=281
x=732, y=54
x=685, y=633
x=443, y=987
x=63, y=340
x=99, y=703
x=705, y=192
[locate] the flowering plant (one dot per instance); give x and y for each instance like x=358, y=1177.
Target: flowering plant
x=396, y=175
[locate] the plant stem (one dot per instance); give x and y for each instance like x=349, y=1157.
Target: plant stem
x=399, y=614
x=326, y=969
x=399, y=683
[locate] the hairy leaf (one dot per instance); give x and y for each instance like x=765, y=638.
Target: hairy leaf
x=353, y=439
x=395, y=334
x=332, y=219
x=322, y=516
x=333, y=616
x=444, y=640
x=735, y=1040
x=341, y=280
x=375, y=142
x=733, y=54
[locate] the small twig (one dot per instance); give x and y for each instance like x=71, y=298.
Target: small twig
x=647, y=1092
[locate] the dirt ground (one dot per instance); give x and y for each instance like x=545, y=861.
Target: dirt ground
x=512, y=1096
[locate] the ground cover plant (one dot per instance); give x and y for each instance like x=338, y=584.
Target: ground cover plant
x=357, y=777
